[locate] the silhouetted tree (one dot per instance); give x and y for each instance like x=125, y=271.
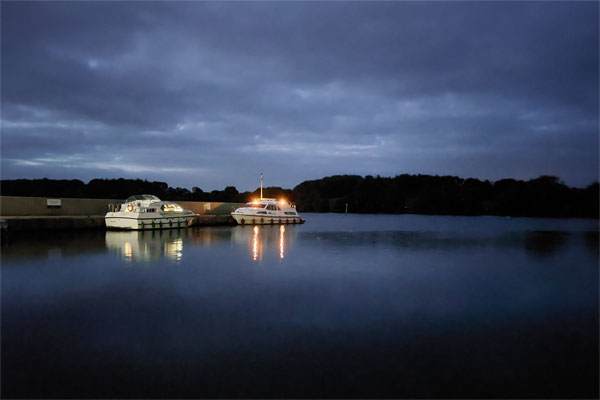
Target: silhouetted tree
x=545, y=196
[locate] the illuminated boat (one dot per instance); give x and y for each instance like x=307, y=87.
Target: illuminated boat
x=146, y=211
x=267, y=212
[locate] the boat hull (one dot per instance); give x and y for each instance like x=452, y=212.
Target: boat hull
x=249, y=219
x=145, y=221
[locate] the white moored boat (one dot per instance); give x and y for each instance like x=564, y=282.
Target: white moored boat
x=146, y=211
x=267, y=212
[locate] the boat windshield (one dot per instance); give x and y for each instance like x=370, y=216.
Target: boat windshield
x=142, y=197
x=255, y=205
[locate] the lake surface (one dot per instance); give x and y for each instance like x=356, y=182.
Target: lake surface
x=342, y=306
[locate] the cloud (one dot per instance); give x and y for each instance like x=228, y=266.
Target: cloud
x=210, y=94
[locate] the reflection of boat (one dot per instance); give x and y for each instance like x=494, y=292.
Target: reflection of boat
x=146, y=246
x=267, y=212
x=149, y=212
x=270, y=239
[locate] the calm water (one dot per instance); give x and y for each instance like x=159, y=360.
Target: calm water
x=342, y=306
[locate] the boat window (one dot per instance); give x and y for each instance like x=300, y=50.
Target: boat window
x=289, y=213
x=171, y=207
x=255, y=205
x=261, y=212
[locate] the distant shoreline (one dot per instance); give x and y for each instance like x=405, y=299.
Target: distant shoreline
x=545, y=196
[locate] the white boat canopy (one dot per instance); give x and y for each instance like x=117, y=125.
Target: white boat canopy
x=142, y=197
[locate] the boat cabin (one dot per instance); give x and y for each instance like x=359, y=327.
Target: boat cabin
x=146, y=203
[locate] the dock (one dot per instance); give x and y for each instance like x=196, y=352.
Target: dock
x=18, y=214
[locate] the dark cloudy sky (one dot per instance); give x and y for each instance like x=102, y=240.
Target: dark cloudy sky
x=211, y=94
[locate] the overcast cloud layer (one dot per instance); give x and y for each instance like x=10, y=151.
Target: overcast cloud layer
x=211, y=94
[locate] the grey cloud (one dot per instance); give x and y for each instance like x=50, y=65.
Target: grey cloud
x=302, y=89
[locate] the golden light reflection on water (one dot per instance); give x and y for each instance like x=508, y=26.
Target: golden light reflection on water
x=127, y=251
x=255, y=242
x=174, y=249
x=263, y=240
x=281, y=242
x=144, y=246
x=136, y=246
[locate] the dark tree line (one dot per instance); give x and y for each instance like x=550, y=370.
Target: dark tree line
x=545, y=196
x=123, y=188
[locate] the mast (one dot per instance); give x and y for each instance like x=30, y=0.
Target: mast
x=261, y=177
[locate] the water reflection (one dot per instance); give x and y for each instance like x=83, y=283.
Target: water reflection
x=147, y=245
x=144, y=246
x=209, y=236
x=592, y=241
x=53, y=245
x=255, y=242
x=263, y=239
x=538, y=243
x=269, y=312
x=545, y=243
x=281, y=241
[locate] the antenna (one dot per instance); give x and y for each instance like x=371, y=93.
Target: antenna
x=261, y=177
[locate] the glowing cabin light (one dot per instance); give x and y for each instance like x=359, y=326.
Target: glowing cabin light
x=171, y=208
x=282, y=202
